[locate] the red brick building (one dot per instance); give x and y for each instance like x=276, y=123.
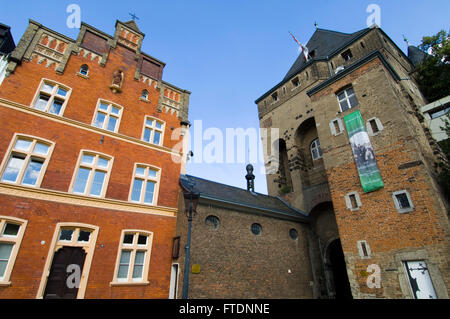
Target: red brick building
x=89, y=166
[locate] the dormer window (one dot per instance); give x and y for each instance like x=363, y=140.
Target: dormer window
x=347, y=55
x=84, y=70
x=275, y=97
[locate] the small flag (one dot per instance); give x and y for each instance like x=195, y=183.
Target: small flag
x=305, y=50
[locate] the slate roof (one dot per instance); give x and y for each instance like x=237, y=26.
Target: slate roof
x=325, y=43
x=416, y=55
x=6, y=40
x=238, y=196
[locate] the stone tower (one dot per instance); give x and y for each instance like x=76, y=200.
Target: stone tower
x=390, y=226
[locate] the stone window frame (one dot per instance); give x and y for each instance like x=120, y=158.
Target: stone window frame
x=144, y=95
x=397, y=204
x=146, y=179
x=5, y=281
x=133, y=247
x=433, y=269
x=315, y=145
x=108, y=113
x=378, y=123
x=346, y=98
x=84, y=71
x=28, y=156
x=296, y=83
x=360, y=245
x=333, y=127
x=349, y=203
x=153, y=128
x=212, y=222
x=52, y=95
x=275, y=97
x=253, y=229
x=347, y=55
x=93, y=167
x=57, y=244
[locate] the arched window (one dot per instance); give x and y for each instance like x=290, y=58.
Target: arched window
x=144, y=95
x=84, y=70
x=213, y=222
x=316, y=151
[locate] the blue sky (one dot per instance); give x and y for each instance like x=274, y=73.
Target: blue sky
x=228, y=53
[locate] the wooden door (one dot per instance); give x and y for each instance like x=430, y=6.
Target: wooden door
x=57, y=287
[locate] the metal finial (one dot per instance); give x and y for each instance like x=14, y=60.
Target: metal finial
x=316, y=25
x=133, y=16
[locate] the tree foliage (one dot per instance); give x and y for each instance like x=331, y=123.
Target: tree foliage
x=434, y=72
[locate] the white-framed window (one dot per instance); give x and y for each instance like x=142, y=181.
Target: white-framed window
x=419, y=279
x=353, y=201
x=347, y=99
x=145, y=184
x=374, y=126
x=84, y=70
x=26, y=161
x=153, y=130
x=402, y=201
x=51, y=97
x=364, y=249
x=133, y=257
x=11, y=234
x=316, y=151
x=107, y=116
x=336, y=127
x=92, y=174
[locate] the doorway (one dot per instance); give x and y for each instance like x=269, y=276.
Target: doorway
x=57, y=286
x=336, y=263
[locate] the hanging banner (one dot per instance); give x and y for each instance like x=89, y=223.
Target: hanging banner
x=363, y=152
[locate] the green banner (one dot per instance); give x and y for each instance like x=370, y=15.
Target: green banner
x=363, y=153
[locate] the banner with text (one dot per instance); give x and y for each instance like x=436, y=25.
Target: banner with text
x=363, y=152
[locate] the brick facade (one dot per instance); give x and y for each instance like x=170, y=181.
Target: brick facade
x=45, y=54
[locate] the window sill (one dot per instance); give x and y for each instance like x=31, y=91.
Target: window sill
x=120, y=284
x=5, y=284
x=82, y=76
x=144, y=100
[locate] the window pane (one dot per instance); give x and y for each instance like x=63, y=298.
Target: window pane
x=103, y=106
x=23, y=145
x=5, y=253
x=87, y=159
x=341, y=96
x=403, y=201
x=152, y=173
x=11, y=229
x=128, y=239
x=99, y=120
x=41, y=149
x=97, y=183
x=147, y=134
x=150, y=189
x=56, y=107
x=41, y=102
x=149, y=122
x=344, y=105
x=66, y=234
x=138, y=265
x=136, y=192
x=115, y=110
x=158, y=125
x=84, y=236
x=33, y=171
x=157, y=138
x=350, y=91
x=13, y=168
x=353, y=101
x=142, y=240
x=124, y=264
x=62, y=92
x=47, y=88
x=81, y=181
x=103, y=162
x=140, y=171
x=112, y=123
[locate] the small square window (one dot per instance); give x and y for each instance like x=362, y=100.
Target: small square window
x=353, y=201
x=275, y=97
x=84, y=236
x=347, y=55
x=142, y=240
x=66, y=235
x=11, y=230
x=402, y=201
x=296, y=82
x=336, y=126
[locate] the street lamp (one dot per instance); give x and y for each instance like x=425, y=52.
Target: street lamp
x=190, y=202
